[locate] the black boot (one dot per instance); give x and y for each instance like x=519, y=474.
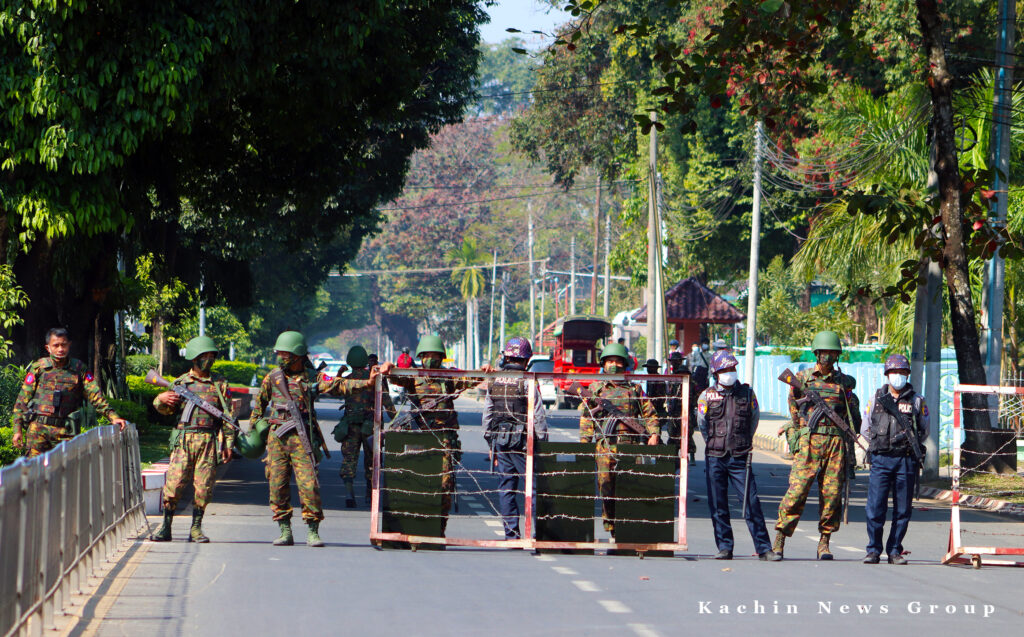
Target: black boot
x=195, y=534
x=163, y=532
x=350, y=501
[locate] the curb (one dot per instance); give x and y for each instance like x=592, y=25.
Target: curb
x=778, y=444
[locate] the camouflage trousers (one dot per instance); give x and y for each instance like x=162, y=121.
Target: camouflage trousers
x=606, y=462
x=41, y=438
x=447, y=481
x=285, y=457
x=821, y=457
x=350, y=446
x=193, y=461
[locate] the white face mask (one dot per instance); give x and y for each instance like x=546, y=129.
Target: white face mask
x=898, y=381
x=727, y=379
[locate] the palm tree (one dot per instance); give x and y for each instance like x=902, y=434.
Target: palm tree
x=471, y=285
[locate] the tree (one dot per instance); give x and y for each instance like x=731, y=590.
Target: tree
x=471, y=285
x=209, y=134
x=12, y=300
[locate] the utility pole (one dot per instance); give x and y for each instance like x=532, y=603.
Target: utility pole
x=504, y=280
x=572, y=276
x=533, y=283
x=490, y=331
x=543, y=296
x=597, y=242
x=755, y=253
x=607, y=259
x=202, y=309
x=1001, y=119
x=655, y=320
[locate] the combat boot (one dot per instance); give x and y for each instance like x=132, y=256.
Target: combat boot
x=286, y=534
x=313, y=536
x=780, y=544
x=163, y=532
x=369, y=492
x=823, y=552
x=350, y=501
x=195, y=534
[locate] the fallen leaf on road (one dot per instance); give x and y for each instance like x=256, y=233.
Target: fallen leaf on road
x=644, y=578
x=726, y=570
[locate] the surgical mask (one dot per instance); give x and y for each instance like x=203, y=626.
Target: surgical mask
x=704, y=347
x=898, y=381
x=431, y=363
x=283, y=361
x=205, y=365
x=727, y=379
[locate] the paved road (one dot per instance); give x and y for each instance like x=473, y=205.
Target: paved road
x=240, y=584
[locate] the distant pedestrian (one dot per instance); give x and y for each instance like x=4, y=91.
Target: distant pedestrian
x=404, y=359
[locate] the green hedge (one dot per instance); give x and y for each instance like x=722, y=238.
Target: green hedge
x=10, y=384
x=130, y=411
x=8, y=453
x=139, y=364
x=141, y=391
x=237, y=372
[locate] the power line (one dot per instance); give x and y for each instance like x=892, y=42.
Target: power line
x=479, y=201
x=356, y=273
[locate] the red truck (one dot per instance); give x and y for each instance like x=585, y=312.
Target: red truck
x=575, y=343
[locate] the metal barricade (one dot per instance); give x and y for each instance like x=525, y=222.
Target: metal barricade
x=410, y=502
x=60, y=513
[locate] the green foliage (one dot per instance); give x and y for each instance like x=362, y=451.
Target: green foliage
x=8, y=452
x=780, y=319
x=130, y=411
x=139, y=364
x=12, y=299
x=141, y=391
x=236, y=372
x=470, y=279
x=504, y=78
x=10, y=384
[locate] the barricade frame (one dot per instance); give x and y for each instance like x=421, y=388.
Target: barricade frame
x=957, y=552
x=378, y=537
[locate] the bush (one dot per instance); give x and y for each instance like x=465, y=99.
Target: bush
x=141, y=391
x=139, y=364
x=237, y=372
x=10, y=384
x=8, y=453
x=130, y=411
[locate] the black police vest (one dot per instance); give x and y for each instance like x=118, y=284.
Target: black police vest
x=728, y=421
x=508, y=395
x=886, y=436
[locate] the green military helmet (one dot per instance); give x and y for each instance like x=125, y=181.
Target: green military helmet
x=430, y=343
x=615, y=349
x=357, y=356
x=252, y=443
x=826, y=341
x=199, y=346
x=293, y=342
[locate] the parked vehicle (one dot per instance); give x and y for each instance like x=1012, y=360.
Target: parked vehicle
x=543, y=363
x=576, y=343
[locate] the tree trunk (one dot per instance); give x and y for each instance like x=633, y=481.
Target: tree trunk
x=467, y=359
x=979, y=446
x=159, y=347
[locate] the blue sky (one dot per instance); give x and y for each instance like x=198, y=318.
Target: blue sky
x=527, y=15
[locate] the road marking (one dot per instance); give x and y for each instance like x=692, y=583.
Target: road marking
x=643, y=630
x=586, y=586
x=476, y=505
x=849, y=548
x=501, y=533
x=614, y=606
x=492, y=522
x=544, y=557
x=564, y=570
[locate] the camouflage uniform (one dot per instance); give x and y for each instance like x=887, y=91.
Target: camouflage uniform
x=49, y=395
x=357, y=427
x=443, y=421
x=630, y=400
x=194, y=457
x=285, y=456
x=821, y=455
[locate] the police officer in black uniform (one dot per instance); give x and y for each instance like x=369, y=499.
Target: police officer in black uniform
x=505, y=413
x=897, y=427
x=727, y=415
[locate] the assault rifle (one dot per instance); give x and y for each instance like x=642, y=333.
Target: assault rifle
x=194, y=401
x=295, y=422
x=605, y=409
x=889, y=405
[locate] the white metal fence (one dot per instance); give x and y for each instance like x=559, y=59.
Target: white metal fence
x=61, y=513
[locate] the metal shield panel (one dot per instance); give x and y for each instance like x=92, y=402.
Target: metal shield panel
x=411, y=485
x=645, y=484
x=565, y=474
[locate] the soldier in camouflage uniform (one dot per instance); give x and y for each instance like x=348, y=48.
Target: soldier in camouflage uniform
x=442, y=419
x=630, y=400
x=286, y=455
x=50, y=395
x=820, y=449
x=355, y=431
x=194, y=457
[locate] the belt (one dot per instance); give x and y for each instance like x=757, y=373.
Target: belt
x=195, y=429
x=50, y=421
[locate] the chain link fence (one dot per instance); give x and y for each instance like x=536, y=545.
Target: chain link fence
x=61, y=513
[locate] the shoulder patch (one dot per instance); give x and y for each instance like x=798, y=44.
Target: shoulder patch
x=30, y=378
x=88, y=377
